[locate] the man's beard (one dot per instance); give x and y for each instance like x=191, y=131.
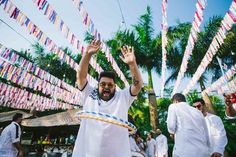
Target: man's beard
x=106, y=94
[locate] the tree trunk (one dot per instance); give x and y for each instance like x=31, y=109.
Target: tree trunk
x=206, y=98
x=152, y=103
x=150, y=84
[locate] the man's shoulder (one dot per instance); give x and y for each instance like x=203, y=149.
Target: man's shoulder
x=93, y=93
x=213, y=117
x=10, y=127
x=179, y=105
x=160, y=137
x=163, y=136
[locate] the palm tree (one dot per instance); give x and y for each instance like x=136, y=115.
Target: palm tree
x=204, y=39
x=51, y=63
x=147, y=51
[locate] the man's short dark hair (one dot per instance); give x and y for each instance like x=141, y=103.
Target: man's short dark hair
x=16, y=116
x=109, y=74
x=199, y=100
x=179, y=97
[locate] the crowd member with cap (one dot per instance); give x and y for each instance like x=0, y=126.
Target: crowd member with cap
x=216, y=130
x=96, y=138
x=10, y=138
x=189, y=129
x=161, y=145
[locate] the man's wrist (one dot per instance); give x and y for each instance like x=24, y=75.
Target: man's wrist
x=132, y=64
x=87, y=54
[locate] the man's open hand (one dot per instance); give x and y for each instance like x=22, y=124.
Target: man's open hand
x=128, y=55
x=93, y=47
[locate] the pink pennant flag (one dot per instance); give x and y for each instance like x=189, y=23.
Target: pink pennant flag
x=9, y=8
x=232, y=16
x=200, y=5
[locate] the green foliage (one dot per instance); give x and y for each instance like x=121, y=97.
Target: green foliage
x=142, y=38
x=177, y=41
x=139, y=114
x=230, y=125
x=192, y=95
x=162, y=106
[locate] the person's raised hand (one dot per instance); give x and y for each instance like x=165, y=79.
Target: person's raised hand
x=128, y=55
x=93, y=47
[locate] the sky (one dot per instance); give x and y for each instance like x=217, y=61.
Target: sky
x=107, y=18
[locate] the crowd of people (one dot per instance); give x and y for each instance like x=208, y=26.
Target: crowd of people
x=154, y=146
x=196, y=133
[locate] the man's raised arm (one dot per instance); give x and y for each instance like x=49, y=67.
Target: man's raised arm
x=82, y=72
x=129, y=58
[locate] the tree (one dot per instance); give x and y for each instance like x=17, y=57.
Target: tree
x=204, y=40
x=147, y=51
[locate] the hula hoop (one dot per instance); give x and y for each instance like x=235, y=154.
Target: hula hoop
x=107, y=118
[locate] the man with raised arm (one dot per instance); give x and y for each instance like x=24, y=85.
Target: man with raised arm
x=96, y=138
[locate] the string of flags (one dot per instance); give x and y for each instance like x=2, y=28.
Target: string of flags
x=42, y=38
x=164, y=44
x=19, y=76
x=223, y=79
x=229, y=87
x=30, y=76
x=87, y=21
x=198, y=18
x=54, y=18
x=22, y=99
x=218, y=40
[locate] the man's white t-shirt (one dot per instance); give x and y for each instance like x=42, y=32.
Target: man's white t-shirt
x=217, y=134
x=11, y=134
x=161, y=146
x=100, y=139
x=190, y=130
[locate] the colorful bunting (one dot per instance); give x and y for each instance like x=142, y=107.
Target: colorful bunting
x=198, y=18
x=91, y=28
x=217, y=41
x=47, y=42
x=223, y=79
x=164, y=44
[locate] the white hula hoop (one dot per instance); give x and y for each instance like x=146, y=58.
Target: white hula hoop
x=107, y=118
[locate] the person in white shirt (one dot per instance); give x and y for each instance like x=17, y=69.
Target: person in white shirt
x=97, y=138
x=10, y=139
x=189, y=129
x=151, y=145
x=216, y=130
x=161, y=145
